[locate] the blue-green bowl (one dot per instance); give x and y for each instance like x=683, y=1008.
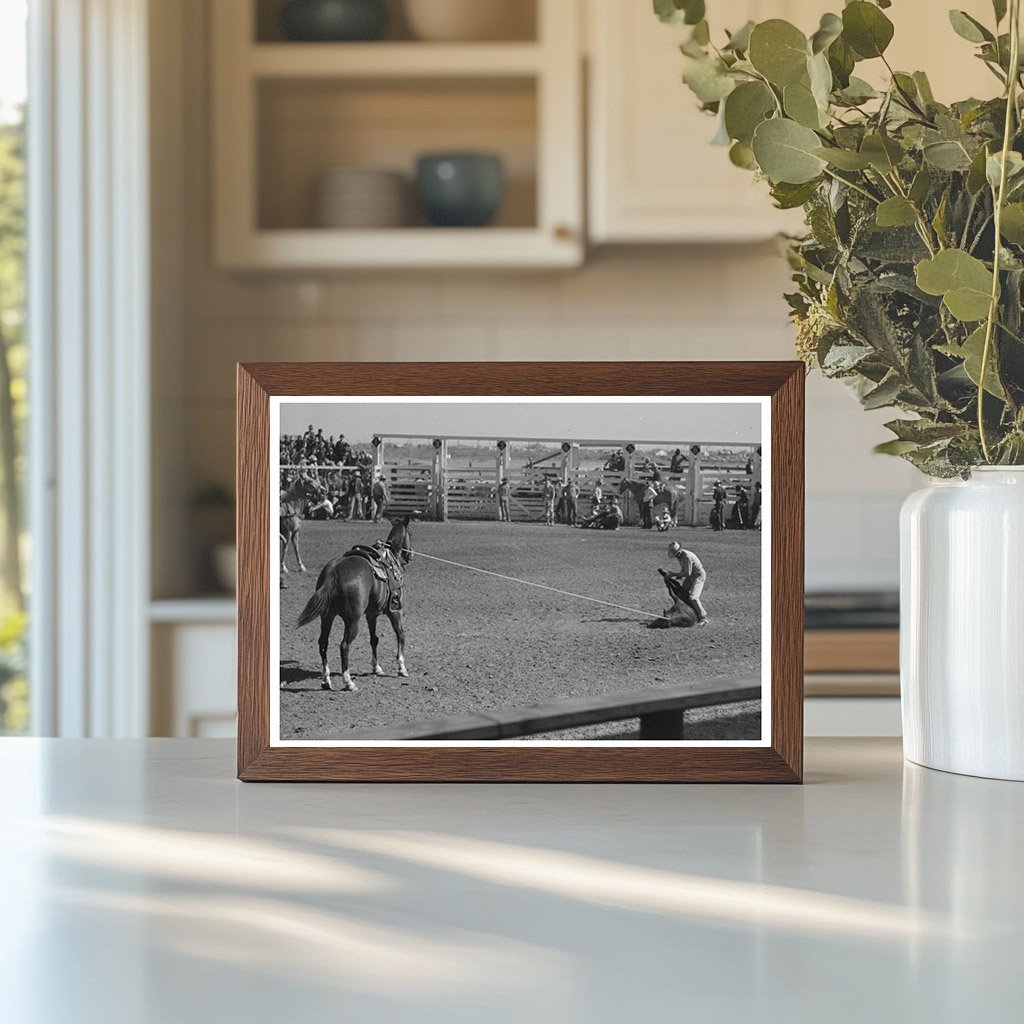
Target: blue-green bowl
x=460, y=190
x=334, y=21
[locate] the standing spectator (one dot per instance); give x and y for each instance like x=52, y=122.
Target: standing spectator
x=355, y=497
x=719, y=496
x=571, y=497
x=755, y=508
x=380, y=498
x=550, y=491
x=739, y=518
x=504, y=501
x=647, y=505
x=596, y=498
x=678, y=461
x=367, y=481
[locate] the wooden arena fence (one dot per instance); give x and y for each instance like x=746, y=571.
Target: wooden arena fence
x=661, y=712
x=437, y=489
x=442, y=491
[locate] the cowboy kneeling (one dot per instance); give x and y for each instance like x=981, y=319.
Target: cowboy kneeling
x=686, y=585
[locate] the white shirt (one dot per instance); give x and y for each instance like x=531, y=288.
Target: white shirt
x=690, y=565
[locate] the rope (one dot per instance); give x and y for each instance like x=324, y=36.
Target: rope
x=541, y=586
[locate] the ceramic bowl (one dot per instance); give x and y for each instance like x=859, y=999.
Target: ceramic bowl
x=358, y=197
x=334, y=20
x=460, y=189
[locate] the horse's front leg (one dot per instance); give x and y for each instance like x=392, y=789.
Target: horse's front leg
x=326, y=621
x=371, y=625
x=396, y=622
x=284, y=548
x=295, y=548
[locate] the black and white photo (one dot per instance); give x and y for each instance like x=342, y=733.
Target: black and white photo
x=533, y=570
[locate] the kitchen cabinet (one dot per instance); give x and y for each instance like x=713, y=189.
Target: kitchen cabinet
x=287, y=113
x=653, y=175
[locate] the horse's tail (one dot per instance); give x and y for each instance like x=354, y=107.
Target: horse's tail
x=319, y=604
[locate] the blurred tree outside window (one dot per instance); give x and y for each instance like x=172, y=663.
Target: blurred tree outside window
x=14, y=694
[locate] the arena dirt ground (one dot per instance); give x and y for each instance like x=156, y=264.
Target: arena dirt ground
x=475, y=643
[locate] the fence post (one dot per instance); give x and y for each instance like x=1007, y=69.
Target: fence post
x=629, y=505
x=662, y=725
x=694, y=485
x=441, y=481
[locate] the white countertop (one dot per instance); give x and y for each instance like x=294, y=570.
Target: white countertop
x=143, y=885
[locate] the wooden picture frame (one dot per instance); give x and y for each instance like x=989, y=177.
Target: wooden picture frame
x=779, y=759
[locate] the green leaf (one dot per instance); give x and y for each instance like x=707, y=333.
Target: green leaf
x=800, y=105
x=1012, y=225
x=885, y=394
x=883, y=153
x=999, y=7
x=971, y=352
x=858, y=91
x=1014, y=169
x=924, y=87
x=963, y=281
x=841, y=60
x=741, y=155
x=895, y=447
x=829, y=30
x=969, y=28
x=820, y=76
x=789, y=197
x=976, y=173
x=778, y=50
x=676, y=12
x=866, y=29
x=739, y=41
x=923, y=431
x=745, y=108
x=785, y=152
x=939, y=220
x=947, y=156
x=896, y=212
x=708, y=80
x=844, y=159
x=921, y=185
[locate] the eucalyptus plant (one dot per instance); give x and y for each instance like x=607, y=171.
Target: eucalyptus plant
x=909, y=280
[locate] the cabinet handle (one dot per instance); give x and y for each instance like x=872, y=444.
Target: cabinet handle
x=563, y=232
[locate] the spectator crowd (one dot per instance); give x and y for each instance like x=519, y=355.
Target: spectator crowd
x=352, y=489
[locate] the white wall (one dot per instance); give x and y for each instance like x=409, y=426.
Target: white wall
x=664, y=303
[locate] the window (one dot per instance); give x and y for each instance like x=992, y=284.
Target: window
x=14, y=703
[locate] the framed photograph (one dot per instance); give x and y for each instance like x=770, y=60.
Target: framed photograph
x=520, y=572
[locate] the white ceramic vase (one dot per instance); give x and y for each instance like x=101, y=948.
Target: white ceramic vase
x=962, y=624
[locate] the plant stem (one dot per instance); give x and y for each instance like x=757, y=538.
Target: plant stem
x=856, y=188
x=922, y=225
x=993, y=309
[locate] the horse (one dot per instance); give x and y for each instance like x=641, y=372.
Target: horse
x=293, y=506
x=348, y=587
x=666, y=495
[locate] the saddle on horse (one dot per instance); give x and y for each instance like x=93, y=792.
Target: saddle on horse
x=386, y=568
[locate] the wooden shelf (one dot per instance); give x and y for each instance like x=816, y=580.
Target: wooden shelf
x=393, y=60
x=401, y=247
